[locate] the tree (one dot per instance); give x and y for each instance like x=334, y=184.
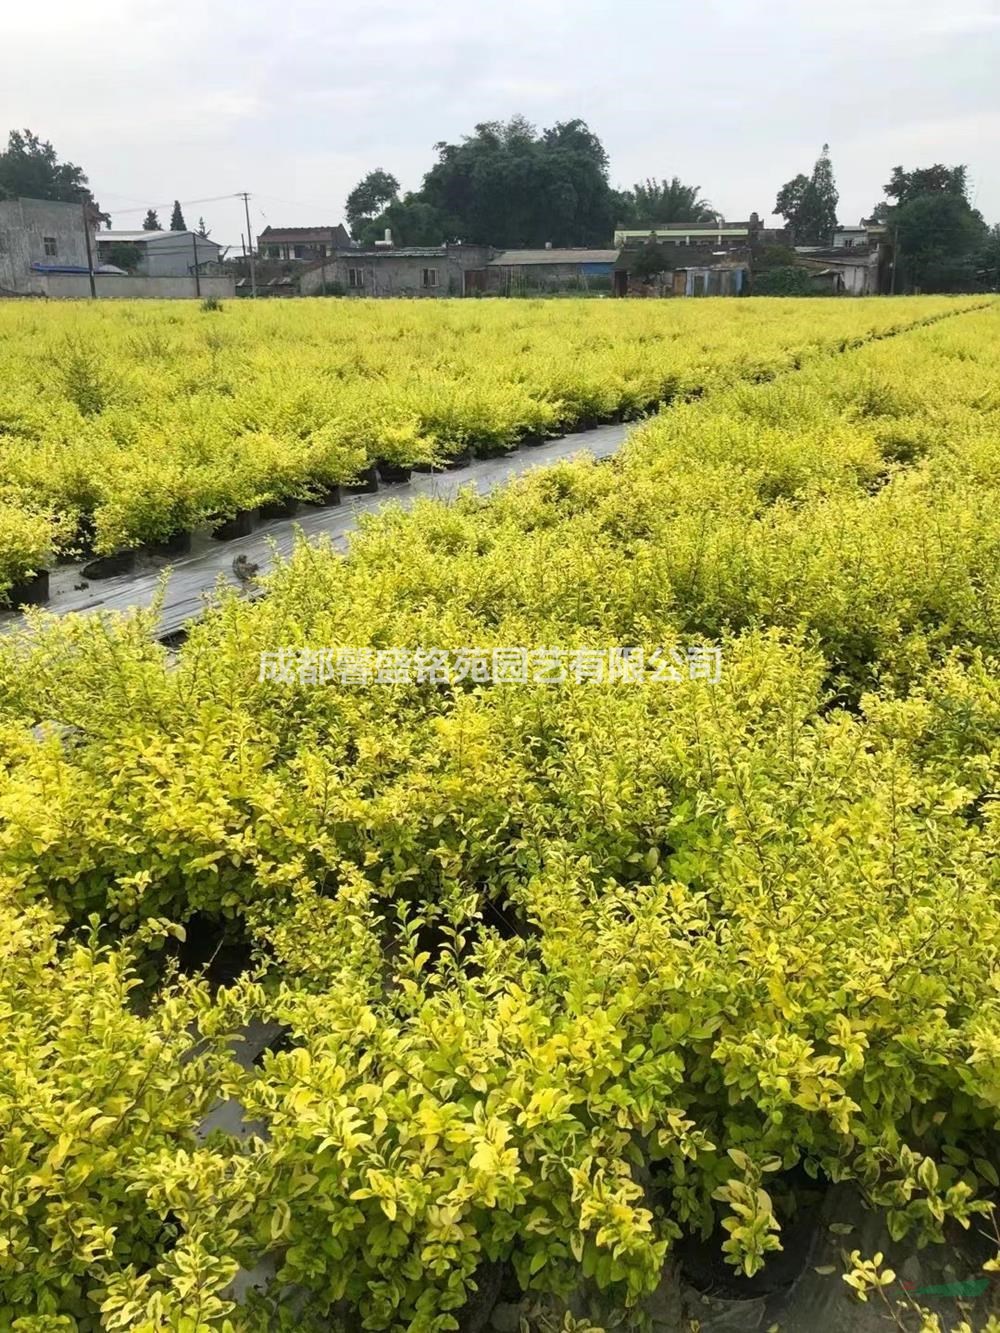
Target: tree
x=123, y=255
x=30, y=168
x=177, y=222
x=989, y=259
x=151, y=222
x=939, y=236
x=905, y=186
x=203, y=231
x=664, y=201
x=809, y=203
x=412, y=221
x=650, y=260
x=369, y=198
x=508, y=185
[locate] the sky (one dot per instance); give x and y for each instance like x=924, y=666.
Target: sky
x=296, y=101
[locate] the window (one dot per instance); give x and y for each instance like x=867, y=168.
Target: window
x=355, y=277
x=50, y=245
x=298, y=251
x=848, y=241
x=274, y=252
x=430, y=277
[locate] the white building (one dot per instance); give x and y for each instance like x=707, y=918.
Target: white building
x=163, y=254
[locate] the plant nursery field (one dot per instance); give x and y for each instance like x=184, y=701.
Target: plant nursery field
x=123, y=425
x=571, y=968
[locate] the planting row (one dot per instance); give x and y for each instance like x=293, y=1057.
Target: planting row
x=124, y=425
x=568, y=973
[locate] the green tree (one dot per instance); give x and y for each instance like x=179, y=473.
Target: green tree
x=177, y=222
x=203, y=231
x=989, y=259
x=662, y=201
x=151, y=222
x=123, y=255
x=369, y=198
x=509, y=185
x=939, y=236
x=412, y=221
x=809, y=203
x=30, y=168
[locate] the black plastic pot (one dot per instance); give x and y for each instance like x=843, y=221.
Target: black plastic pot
x=240, y=525
x=427, y=467
x=30, y=592
x=330, y=496
x=279, y=509
x=366, y=484
x=459, y=460
x=110, y=566
x=533, y=441
x=393, y=471
x=178, y=544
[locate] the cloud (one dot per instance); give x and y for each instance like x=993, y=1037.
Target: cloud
x=299, y=100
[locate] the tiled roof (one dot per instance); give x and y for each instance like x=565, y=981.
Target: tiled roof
x=570, y=255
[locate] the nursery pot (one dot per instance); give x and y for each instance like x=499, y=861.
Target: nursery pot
x=110, y=566
x=393, y=471
x=459, y=460
x=240, y=525
x=178, y=544
x=329, y=496
x=30, y=592
x=279, y=509
x=366, y=484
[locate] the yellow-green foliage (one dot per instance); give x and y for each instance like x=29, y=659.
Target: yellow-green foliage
x=566, y=970
x=133, y=421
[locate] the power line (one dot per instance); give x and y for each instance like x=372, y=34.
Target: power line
x=184, y=203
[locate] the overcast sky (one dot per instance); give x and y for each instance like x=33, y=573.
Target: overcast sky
x=295, y=100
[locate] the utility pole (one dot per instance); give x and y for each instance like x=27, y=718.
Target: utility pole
x=895, y=260
x=253, y=267
x=197, y=275
x=90, y=252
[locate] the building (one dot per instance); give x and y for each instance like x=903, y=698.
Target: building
x=575, y=268
x=162, y=254
x=303, y=243
x=387, y=270
x=845, y=270
x=693, y=270
x=39, y=237
x=720, y=235
x=865, y=234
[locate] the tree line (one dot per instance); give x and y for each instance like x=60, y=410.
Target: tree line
x=511, y=185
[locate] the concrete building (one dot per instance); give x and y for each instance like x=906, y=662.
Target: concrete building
x=415, y=270
x=303, y=243
x=575, y=268
x=39, y=237
x=163, y=254
x=720, y=235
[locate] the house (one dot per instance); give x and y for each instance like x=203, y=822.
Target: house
x=865, y=234
x=694, y=270
x=39, y=237
x=387, y=270
x=720, y=235
x=845, y=270
x=575, y=268
x=304, y=243
x=162, y=254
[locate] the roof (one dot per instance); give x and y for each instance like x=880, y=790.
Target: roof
x=570, y=255
x=140, y=237
x=397, y=252
x=303, y=233
x=685, y=228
